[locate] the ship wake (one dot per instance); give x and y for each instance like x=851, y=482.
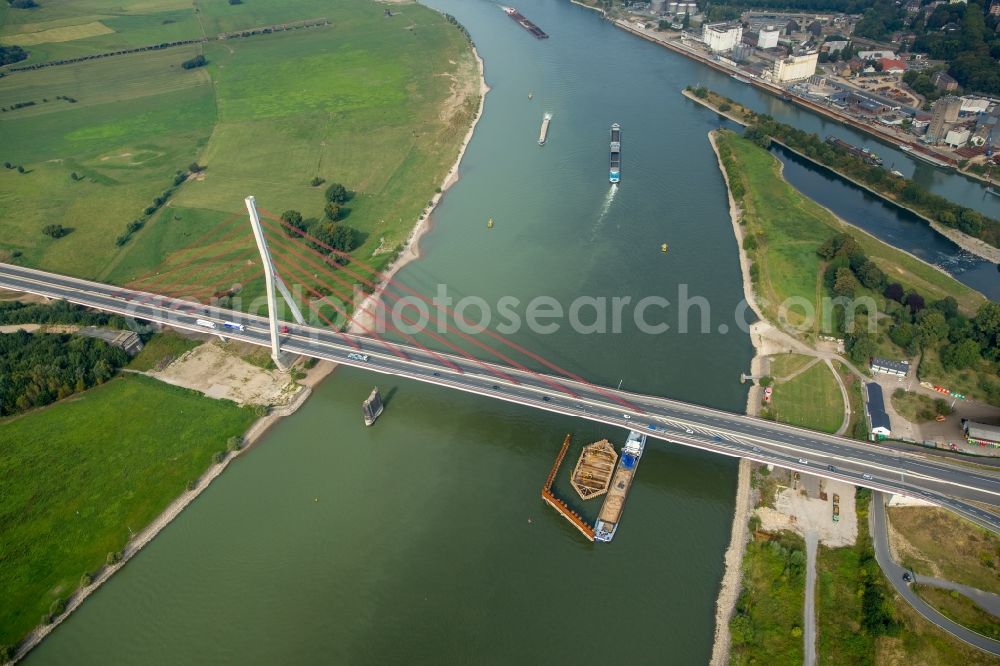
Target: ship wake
x=605, y=207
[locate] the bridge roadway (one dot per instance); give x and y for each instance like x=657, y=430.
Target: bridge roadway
x=953, y=485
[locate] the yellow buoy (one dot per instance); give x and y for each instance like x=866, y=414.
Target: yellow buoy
x=489, y=225
x=664, y=247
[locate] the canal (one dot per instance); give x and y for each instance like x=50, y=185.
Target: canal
x=423, y=538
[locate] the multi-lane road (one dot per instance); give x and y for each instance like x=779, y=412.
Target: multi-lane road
x=950, y=484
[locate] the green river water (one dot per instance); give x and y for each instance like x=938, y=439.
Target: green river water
x=423, y=538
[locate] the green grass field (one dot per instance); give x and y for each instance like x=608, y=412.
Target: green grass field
x=785, y=365
x=378, y=105
x=77, y=475
x=961, y=609
x=811, y=400
x=60, y=29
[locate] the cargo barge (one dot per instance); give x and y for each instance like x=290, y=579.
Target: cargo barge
x=525, y=23
x=544, y=133
x=611, y=513
x=863, y=153
x=592, y=474
x=615, y=172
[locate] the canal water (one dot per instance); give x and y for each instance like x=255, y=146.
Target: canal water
x=423, y=538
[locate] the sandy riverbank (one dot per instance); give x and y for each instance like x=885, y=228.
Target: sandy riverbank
x=410, y=252
x=729, y=592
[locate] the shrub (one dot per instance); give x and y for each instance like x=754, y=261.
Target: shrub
x=317, y=181
x=191, y=485
x=197, y=61
x=86, y=580
x=219, y=457
x=194, y=167
x=234, y=443
x=58, y=607
x=55, y=230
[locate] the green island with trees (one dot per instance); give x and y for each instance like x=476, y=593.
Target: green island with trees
x=909, y=194
x=792, y=242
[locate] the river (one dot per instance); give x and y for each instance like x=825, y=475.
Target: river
x=423, y=538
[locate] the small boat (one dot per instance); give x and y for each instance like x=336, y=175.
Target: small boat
x=664, y=248
x=489, y=224
x=898, y=174
x=530, y=95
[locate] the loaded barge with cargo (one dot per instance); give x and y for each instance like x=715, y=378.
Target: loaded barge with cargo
x=615, y=172
x=611, y=513
x=863, y=153
x=525, y=23
x=544, y=133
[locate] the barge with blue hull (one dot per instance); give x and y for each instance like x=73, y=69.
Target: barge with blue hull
x=615, y=172
x=611, y=513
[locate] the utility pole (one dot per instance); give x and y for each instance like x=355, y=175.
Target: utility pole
x=272, y=280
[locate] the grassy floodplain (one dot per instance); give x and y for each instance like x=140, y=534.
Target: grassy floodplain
x=379, y=104
x=80, y=473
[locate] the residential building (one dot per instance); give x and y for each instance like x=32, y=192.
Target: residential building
x=995, y=8
x=957, y=138
x=794, y=68
x=913, y=7
x=945, y=111
x=982, y=434
x=721, y=37
x=879, y=426
x=890, y=367
x=943, y=81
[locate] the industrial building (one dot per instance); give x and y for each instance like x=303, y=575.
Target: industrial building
x=887, y=367
x=945, y=112
x=878, y=420
x=767, y=38
x=794, y=68
x=956, y=138
x=722, y=37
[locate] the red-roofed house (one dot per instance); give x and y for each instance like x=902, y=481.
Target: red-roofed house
x=890, y=66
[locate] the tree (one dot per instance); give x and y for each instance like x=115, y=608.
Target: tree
x=686, y=23
x=293, y=223
x=845, y=283
x=960, y=356
x=915, y=301
x=11, y=54
x=861, y=347
x=894, y=291
x=870, y=275
x=931, y=326
x=194, y=167
x=332, y=211
x=337, y=193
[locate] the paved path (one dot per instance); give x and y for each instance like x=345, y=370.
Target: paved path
x=894, y=572
x=988, y=601
x=809, y=608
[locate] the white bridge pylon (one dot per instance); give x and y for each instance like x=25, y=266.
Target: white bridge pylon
x=272, y=279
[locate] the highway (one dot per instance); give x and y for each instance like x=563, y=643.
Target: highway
x=949, y=484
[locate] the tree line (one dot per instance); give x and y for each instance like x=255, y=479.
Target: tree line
x=57, y=312
x=11, y=54
x=37, y=369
